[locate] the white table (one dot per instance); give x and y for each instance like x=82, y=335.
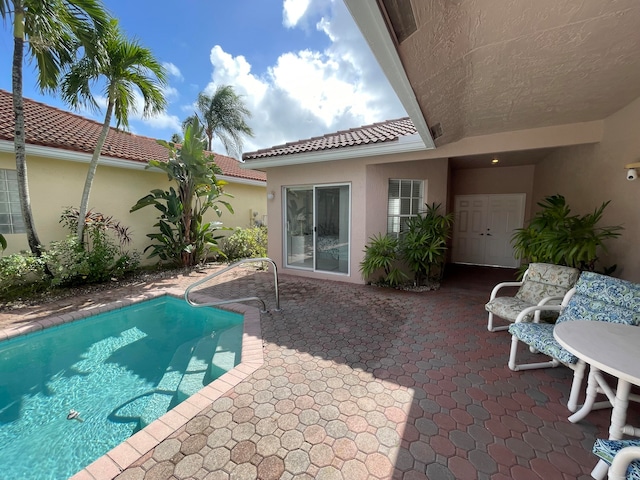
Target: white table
x=611, y=348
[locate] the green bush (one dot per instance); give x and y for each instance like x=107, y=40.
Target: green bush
x=98, y=259
x=422, y=248
x=21, y=273
x=556, y=236
x=101, y=255
x=382, y=253
x=73, y=264
x=245, y=243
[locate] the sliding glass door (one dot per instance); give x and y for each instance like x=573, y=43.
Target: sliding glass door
x=317, y=227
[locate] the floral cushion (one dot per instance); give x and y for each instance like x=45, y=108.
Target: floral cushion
x=607, y=449
x=510, y=307
x=540, y=336
x=603, y=298
x=543, y=280
x=547, y=280
x=597, y=298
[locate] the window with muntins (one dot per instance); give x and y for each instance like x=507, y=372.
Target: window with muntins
x=405, y=201
x=10, y=213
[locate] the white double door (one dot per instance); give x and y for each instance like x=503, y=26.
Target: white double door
x=484, y=225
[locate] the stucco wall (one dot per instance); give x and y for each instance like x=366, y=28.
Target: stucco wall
x=591, y=174
x=55, y=184
x=368, y=179
x=433, y=172
x=494, y=180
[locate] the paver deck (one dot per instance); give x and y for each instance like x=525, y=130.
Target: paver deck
x=360, y=382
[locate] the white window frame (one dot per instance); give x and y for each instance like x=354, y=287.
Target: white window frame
x=11, y=220
x=395, y=215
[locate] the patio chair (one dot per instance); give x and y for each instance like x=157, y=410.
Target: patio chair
x=542, y=284
x=622, y=455
x=595, y=297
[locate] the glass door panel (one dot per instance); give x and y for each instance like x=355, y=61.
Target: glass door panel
x=332, y=228
x=299, y=227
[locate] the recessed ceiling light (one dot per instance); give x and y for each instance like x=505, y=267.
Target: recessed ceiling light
x=494, y=161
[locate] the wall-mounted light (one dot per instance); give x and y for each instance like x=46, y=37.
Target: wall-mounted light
x=271, y=195
x=632, y=172
x=494, y=161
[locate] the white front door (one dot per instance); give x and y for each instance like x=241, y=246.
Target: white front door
x=483, y=228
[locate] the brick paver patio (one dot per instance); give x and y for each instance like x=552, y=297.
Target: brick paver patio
x=360, y=382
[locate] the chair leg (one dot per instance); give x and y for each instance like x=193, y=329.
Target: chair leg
x=527, y=366
x=490, y=326
x=576, y=384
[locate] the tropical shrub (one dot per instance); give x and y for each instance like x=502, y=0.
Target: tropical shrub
x=382, y=253
x=245, y=243
x=421, y=248
x=21, y=273
x=423, y=244
x=184, y=239
x=101, y=255
x=555, y=236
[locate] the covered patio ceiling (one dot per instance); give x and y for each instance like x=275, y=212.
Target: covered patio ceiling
x=466, y=68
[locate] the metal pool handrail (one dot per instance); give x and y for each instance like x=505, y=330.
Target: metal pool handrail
x=245, y=299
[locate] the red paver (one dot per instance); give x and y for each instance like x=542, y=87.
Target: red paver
x=363, y=382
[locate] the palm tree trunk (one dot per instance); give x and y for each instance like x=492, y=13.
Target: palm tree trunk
x=93, y=165
x=19, y=133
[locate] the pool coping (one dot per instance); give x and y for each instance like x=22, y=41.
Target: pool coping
x=116, y=460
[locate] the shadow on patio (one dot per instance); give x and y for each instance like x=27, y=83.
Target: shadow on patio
x=366, y=382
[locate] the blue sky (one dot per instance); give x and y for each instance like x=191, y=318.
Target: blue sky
x=301, y=65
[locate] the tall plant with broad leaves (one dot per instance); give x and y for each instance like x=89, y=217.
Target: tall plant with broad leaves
x=556, y=236
x=125, y=67
x=51, y=29
x=184, y=239
x=423, y=244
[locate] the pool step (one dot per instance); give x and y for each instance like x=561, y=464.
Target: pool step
x=228, y=352
x=160, y=401
x=194, y=375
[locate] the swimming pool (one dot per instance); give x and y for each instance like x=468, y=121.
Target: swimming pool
x=70, y=393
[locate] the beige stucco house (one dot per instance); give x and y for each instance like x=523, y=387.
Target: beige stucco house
x=508, y=103
x=59, y=148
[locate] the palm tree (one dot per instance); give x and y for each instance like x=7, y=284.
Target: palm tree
x=223, y=115
x=125, y=67
x=51, y=29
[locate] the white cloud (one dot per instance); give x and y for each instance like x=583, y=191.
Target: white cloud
x=162, y=120
x=309, y=93
x=293, y=11
x=172, y=70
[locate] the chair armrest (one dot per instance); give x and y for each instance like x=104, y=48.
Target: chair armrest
x=621, y=461
x=537, y=308
x=494, y=292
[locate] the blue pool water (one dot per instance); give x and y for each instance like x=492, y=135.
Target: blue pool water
x=119, y=370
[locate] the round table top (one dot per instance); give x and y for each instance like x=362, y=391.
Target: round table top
x=611, y=347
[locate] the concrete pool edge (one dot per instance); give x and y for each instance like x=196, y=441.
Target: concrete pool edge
x=131, y=450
